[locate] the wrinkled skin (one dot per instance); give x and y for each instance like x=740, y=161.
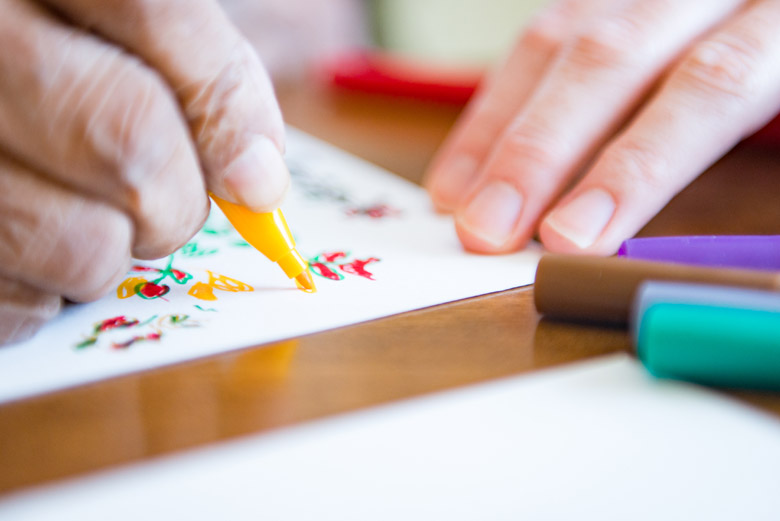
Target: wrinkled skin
x=116, y=117
x=604, y=110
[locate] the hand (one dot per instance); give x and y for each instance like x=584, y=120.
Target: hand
x=603, y=112
x=115, y=118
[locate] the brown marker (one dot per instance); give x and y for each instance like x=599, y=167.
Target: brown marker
x=602, y=289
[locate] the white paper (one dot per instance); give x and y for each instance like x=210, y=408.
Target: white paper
x=600, y=440
x=421, y=263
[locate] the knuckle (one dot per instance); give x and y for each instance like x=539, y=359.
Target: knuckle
x=144, y=133
x=22, y=227
x=542, y=33
x=638, y=163
x=141, y=139
x=608, y=43
x=533, y=143
x=67, y=244
x=98, y=249
x=23, y=310
x=135, y=127
x=726, y=67
x=478, y=130
x=212, y=103
x=15, y=227
x=17, y=327
x=178, y=229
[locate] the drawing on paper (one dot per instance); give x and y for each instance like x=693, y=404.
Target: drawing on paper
x=151, y=289
x=194, y=249
x=216, y=233
x=205, y=290
x=317, y=189
x=222, y=229
x=154, y=289
x=375, y=211
x=150, y=329
x=333, y=265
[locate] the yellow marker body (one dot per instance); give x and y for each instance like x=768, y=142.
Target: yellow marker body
x=269, y=233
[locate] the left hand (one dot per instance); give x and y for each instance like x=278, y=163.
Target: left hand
x=116, y=117
x=603, y=112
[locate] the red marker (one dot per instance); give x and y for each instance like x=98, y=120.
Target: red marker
x=384, y=73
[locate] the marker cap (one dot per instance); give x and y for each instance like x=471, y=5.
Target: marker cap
x=761, y=252
x=715, y=335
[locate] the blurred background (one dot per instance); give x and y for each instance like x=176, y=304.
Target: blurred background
x=294, y=37
x=430, y=50
x=455, y=32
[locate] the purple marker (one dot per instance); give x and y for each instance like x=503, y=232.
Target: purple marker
x=759, y=252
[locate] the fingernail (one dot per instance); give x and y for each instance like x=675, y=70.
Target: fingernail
x=258, y=178
x=583, y=220
x=493, y=214
x=453, y=178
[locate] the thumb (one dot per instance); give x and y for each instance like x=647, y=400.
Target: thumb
x=222, y=88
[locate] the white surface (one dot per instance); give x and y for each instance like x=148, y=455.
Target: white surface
x=599, y=440
x=422, y=264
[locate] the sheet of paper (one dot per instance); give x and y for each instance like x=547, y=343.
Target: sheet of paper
x=600, y=440
x=374, y=244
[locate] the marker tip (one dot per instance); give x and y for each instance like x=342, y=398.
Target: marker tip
x=305, y=282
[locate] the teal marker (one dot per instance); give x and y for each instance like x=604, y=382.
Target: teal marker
x=711, y=335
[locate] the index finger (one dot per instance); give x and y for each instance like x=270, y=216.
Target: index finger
x=504, y=92
x=223, y=89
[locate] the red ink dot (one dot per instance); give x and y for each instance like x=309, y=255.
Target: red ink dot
x=179, y=275
x=138, y=267
x=150, y=290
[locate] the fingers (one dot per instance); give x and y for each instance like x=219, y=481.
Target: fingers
x=455, y=168
x=723, y=89
x=598, y=80
x=101, y=122
x=56, y=241
x=221, y=85
x=23, y=310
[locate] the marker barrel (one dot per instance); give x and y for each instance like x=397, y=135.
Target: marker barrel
x=761, y=252
x=721, y=344
x=602, y=289
x=656, y=292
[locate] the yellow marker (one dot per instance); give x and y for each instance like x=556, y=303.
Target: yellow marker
x=269, y=233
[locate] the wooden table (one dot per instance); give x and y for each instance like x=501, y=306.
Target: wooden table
x=263, y=388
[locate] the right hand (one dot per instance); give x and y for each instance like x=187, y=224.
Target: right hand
x=115, y=119
x=603, y=112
